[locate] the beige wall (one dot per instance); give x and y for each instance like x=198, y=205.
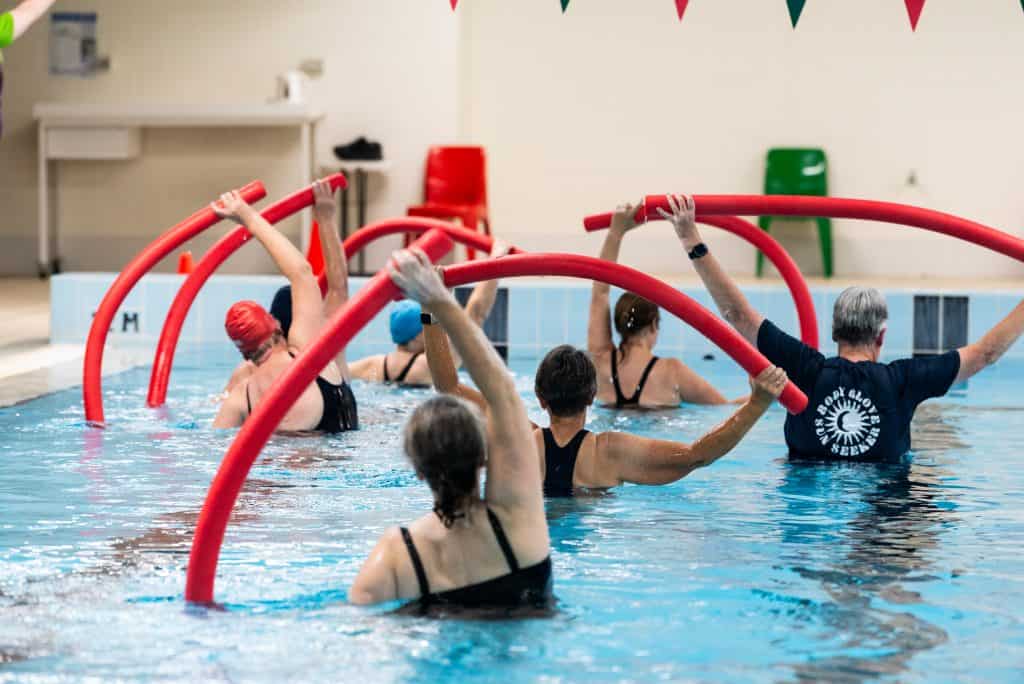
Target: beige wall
x=578, y=112
x=616, y=99
x=390, y=74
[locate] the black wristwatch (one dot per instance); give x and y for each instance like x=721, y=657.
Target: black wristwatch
x=426, y=319
x=698, y=251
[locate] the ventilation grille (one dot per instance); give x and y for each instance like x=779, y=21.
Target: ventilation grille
x=940, y=323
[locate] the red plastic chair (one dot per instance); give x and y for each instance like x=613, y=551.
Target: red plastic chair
x=456, y=187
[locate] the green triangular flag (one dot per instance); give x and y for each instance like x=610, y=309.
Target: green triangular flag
x=565, y=5
x=796, y=7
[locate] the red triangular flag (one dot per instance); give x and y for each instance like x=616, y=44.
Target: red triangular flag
x=454, y=3
x=795, y=8
x=681, y=7
x=315, y=256
x=185, y=263
x=914, y=8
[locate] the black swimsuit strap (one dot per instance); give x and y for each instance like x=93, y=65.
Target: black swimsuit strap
x=417, y=564
x=643, y=380
x=408, y=367
x=506, y=548
x=620, y=398
x=248, y=401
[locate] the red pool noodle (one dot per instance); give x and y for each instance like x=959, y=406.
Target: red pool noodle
x=790, y=272
x=163, y=360
x=665, y=296
x=220, y=500
x=92, y=371
x=221, y=250
x=234, y=468
x=833, y=207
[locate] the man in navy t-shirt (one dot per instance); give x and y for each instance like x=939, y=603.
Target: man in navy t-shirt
x=858, y=409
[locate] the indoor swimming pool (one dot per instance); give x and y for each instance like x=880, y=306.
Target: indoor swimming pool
x=756, y=569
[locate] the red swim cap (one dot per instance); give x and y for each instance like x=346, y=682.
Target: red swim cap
x=249, y=326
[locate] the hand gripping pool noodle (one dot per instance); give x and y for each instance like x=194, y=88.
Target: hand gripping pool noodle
x=219, y=253
x=163, y=360
x=779, y=257
x=234, y=468
x=834, y=207
x=665, y=296
x=92, y=371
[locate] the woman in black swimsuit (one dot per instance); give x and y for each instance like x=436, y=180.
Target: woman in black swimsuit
x=473, y=550
x=572, y=457
x=327, y=405
x=630, y=375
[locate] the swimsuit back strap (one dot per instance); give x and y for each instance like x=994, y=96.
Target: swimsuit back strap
x=506, y=548
x=408, y=367
x=248, y=401
x=643, y=379
x=620, y=398
x=417, y=564
x=576, y=442
x=386, y=378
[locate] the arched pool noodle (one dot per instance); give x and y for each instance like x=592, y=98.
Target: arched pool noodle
x=234, y=468
x=834, y=207
x=665, y=296
x=92, y=368
x=243, y=452
x=163, y=359
x=787, y=268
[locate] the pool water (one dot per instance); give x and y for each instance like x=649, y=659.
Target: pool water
x=753, y=570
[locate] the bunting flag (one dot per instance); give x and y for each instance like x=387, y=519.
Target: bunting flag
x=795, y=8
x=455, y=3
x=681, y=7
x=914, y=8
x=565, y=5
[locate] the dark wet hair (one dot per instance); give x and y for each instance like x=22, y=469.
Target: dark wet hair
x=566, y=381
x=633, y=314
x=281, y=308
x=446, y=442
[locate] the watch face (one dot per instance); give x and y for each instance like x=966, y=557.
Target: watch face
x=699, y=251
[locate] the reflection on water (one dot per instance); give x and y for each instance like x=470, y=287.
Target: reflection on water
x=887, y=551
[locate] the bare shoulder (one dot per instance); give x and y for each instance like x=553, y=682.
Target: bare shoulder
x=369, y=368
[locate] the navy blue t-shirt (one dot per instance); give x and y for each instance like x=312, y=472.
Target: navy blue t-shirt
x=856, y=411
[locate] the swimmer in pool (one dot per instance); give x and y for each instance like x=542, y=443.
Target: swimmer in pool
x=327, y=405
x=406, y=365
x=574, y=458
x=858, y=409
x=475, y=550
x=630, y=375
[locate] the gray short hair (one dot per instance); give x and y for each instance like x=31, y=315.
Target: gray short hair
x=859, y=315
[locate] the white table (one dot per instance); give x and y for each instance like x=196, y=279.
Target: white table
x=108, y=132
x=355, y=171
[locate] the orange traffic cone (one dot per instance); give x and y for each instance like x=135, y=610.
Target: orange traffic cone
x=185, y=264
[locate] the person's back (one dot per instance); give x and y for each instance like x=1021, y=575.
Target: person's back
x=857, y=409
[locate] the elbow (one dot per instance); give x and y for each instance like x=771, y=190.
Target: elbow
x=735, y=316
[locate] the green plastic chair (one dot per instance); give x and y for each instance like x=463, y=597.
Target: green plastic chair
x=796, y=171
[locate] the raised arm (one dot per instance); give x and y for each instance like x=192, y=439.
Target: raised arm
x=325, y=213
x=512, y=476
x=443, y=372
x=730, y=301
x=599, y=326
x=307, y=307
x=481, y=301
x=27, y=13
x=986, y=351
x=629, y=458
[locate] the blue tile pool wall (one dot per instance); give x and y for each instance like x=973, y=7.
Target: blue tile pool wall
x=542, y=314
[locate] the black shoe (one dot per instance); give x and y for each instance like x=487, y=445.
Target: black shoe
x=360, y=149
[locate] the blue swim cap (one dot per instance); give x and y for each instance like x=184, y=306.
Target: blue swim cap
x=405, y=321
